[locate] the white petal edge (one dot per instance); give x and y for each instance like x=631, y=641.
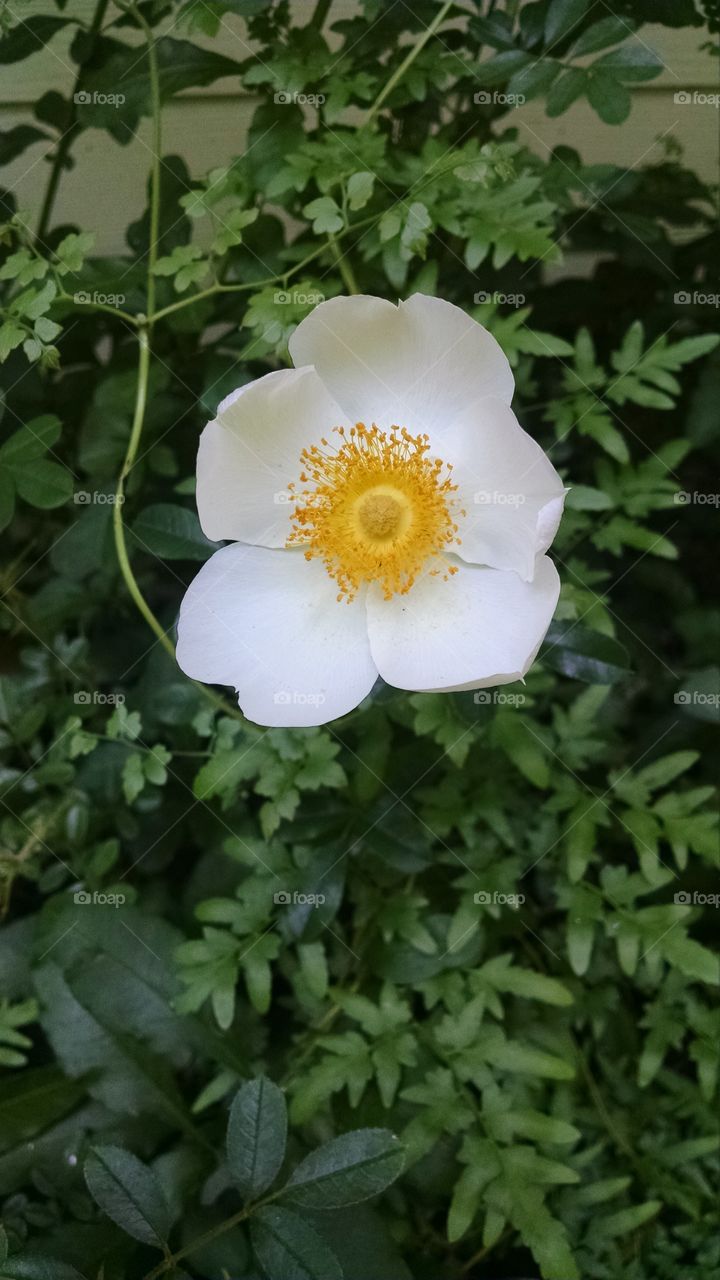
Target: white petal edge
x=250, y=453
x=417, y=365
x=479, y=628
x=510, y=491
x=268, y=623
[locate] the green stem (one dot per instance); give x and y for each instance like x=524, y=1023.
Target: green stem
x=207, y=1236
x=409, y=59
x=117, y=312
x=156, y=161
x=343, y=266
x=118, y=525
x=68, y=136
x=282, y=276
x=322, y=9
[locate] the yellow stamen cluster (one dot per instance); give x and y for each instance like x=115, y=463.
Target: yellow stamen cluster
x=374, y=508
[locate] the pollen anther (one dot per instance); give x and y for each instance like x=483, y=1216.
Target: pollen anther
x=375, y=508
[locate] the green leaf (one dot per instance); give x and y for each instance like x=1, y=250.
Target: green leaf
x=521, y=744
x=348, y=1169
x=562, y=17
x=608, y=96
x=171, y=533
x=607, y=31
x=543, y=1234
x=626, y=1220
x=14, y=141
x=28, y=1266
x=256, y=1136
x=43, y=483
x=360, y=188
x=287, y=1247
x=181, y=65
x=31, y=34
x=7, y=497
x=129, y=1193
x=325, y=215
x=632, y=61
x=570, y=86
x=11, y=335
x=31, y=440
x=582, y=654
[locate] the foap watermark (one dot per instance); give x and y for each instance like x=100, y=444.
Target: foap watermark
x=488, y=898
x=294, y=297
x=482, y=297
x=83, y=898
x=85, y=99
x=283, y=497
x=488, y=498
x=284, y=898
x=494, y=98
x=696, y=899
x=284, y=698
x=288, y=98
x=84, y=299
x=696, y=298
x=696, y=698
x=682, y=498
x=696, y=98
x=93, y=697
x=83, y=498
x=496, y=698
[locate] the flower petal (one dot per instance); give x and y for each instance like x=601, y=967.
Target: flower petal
x=480, y=627
x=418, y=365
x=269, y=623
x=250, y=453
x=510, y=491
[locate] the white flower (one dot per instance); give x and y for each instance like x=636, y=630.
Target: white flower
x=386, y=515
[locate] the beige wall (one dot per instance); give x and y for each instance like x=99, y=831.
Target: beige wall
x=207, y=126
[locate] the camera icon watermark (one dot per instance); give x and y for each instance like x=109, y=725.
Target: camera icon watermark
x=684, y=298
x=482, y=298
x=684, y=498
x=83, y=498
x=496, y=698
x=696, y=899
x=92, y=697
x=295, y=297
x=83, y=898
x=83, y=299
x=488, y=498
x=85, y=99
x=695, y=698
x=488, y=898
x=296, y=698
x=284, y=898
x=288, y=98
x=493, y=98
x=684, y=98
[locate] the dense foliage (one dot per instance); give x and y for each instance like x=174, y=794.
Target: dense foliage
x=454, y=949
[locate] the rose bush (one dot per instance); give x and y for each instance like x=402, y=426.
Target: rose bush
x=427, y=989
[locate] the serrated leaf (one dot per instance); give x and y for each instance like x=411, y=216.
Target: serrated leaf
x=129, y=1193
x=286, y=1246
x=347, y=1169
x=256, y=1136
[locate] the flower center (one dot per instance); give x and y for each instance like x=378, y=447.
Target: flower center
x=374, y=508
x=380, y=515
